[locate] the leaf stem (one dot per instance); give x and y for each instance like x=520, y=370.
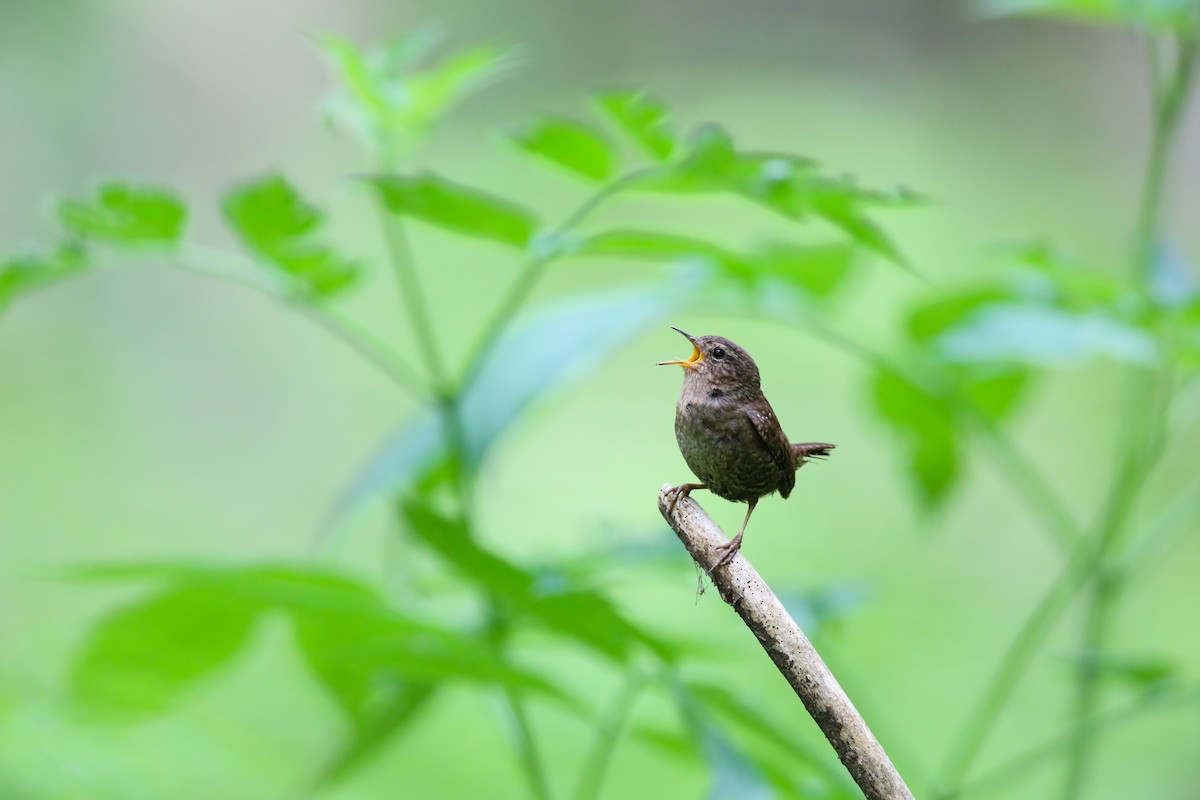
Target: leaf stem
x=1144, y=400
x=358, y=339
x=411, y=295
x=596, y=762
x=531, y=272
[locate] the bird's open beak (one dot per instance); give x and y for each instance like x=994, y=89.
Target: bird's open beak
x=697, y=356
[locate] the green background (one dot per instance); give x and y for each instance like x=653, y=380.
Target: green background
x=150, y=414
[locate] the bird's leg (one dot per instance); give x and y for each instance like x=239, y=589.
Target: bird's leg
x=733, y=545
x=681, y=491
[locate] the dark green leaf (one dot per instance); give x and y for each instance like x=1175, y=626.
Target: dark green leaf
x=451, y=540
x=995, y=392
x=934, y=317
x=927, y=432
x=433, y=199
x=26, y=273
x=845, y=212
x=583, y=615
x=280, y=227
x=141, y=660
x=379, y=729
x=1139, y=670
x=642, y=117
x=126, y=213
x=817, y=270
x=935, y=463
x=735, y=711
x=569, y=144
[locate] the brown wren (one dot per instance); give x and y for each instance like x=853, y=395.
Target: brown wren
x=728, y=432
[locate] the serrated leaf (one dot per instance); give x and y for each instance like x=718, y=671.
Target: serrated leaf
x=389, y=100
x=281, y=228
x=642, y=117
x=126, y=213
x=844, y=212
x=1042, y=336
x=142, y=659
x=470, y=212
x=569, y=144
x=21, y=274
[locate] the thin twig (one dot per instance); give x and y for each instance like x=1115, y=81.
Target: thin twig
x=740, y=585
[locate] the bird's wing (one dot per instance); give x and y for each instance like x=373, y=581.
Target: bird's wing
x=775, y=440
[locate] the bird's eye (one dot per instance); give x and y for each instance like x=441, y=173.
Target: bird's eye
x=718, y=352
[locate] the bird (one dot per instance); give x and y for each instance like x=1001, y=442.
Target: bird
x=729, y=434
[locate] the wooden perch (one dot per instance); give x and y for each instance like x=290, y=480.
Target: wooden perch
x=740, y=585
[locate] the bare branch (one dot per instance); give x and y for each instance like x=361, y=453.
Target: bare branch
x=740, y=585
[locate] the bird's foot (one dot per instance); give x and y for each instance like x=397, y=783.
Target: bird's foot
x=681, y=491
x=730, y=549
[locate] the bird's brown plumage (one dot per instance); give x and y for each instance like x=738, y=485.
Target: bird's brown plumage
x=727, y=431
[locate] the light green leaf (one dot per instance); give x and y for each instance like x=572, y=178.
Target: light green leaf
x=389, y=101
x=1139, y=670
x=995, y=390
x=471, y=212
x=126, y=213
x=281, y=228
x=642, y=117
x=1176, y=15
x=568, y=144
x=22, y=274
x=547, y=351
x=1043, y=336
x=142, y=659
x=657, y=246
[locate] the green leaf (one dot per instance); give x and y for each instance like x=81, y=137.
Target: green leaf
x=1141, y=671
x=281, y=228
x=735, y=711
x=657, y=246
x=934, y=317
x=142, y=659
x=470, y=212
x=926, y=427
x=582, y=615
x=844, y=211
x=22, y=274
x=572, y=145
x=817, y=270
x=126, y=213
x=641, y=117
x=1043, y=336
x=994, y=391
x=389, y=101
x=451, y=540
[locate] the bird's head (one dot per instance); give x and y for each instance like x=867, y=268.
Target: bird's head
x=717, y=361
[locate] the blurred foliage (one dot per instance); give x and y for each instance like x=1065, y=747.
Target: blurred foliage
x=966, y=359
